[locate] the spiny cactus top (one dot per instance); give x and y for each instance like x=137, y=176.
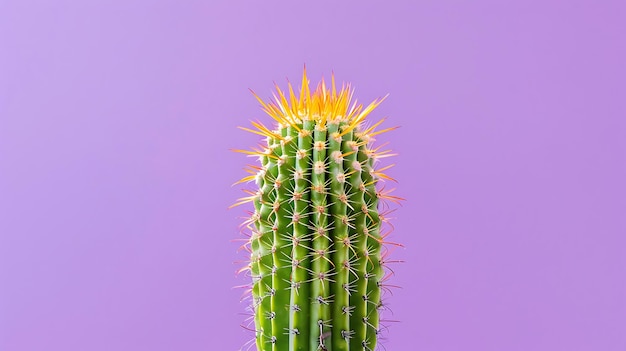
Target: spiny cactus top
x=317, y=242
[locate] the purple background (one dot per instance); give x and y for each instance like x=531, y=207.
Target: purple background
x=116, y=120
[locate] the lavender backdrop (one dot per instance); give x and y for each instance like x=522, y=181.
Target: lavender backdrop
x=116, y=118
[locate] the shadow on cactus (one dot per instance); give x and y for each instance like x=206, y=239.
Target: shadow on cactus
x=318, y=234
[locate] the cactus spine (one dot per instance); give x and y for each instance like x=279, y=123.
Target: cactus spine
x=317, y=253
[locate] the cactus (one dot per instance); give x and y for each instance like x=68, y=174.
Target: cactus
x=317, y=250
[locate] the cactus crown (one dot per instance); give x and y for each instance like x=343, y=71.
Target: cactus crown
x=317, y=246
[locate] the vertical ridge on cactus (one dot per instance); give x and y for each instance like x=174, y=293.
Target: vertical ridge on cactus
x=317, y=251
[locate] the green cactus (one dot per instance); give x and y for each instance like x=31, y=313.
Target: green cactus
x=317, y=253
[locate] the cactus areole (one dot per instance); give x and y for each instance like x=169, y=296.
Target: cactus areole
x=318, y=233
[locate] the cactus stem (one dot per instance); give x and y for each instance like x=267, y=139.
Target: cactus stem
x=318, y=256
